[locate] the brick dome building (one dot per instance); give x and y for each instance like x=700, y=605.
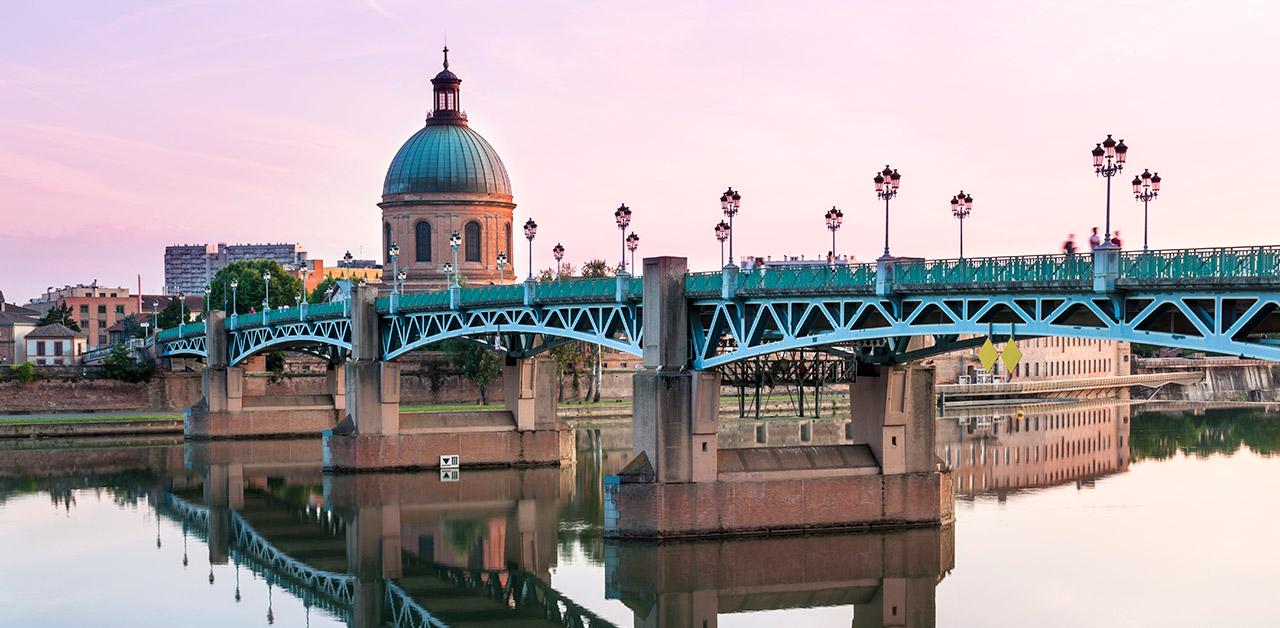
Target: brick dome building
x=447, y=179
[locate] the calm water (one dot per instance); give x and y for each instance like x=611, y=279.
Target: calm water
x=1091, y=513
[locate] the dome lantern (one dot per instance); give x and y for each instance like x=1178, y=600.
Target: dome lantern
x=446, y=108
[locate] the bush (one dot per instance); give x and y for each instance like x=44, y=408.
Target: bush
x=26, y=372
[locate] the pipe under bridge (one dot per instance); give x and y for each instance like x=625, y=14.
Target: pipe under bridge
x=1224, y=300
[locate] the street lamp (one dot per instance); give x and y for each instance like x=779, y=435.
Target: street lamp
x=235, y=283
x=297, y=299
x=729, y=202
x=207, y=292
x=266, y=295
x=401, y=277
x=1146, y=188
x=558, y=252
x=1108, y=159
x=347, y=259
x=622, y=216
x=633, y=243
x=834, y=218
x=394, y=252
x=455, y=241
x=961, y=204
x=448, y=272
x=502, y=265
x=722, y=234
x=887, y=188
x=155, y=320
x=530, y=230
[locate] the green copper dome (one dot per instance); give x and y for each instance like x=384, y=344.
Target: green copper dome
x=447, y=158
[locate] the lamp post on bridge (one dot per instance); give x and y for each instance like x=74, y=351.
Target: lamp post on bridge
x=887, y=188
x=155, y=316
x=455, y=241
x=394, y=252
x=623, y=217
x=401, y=277
x=235, y=283
x=266, y=297
x=530, y=231
x=1146, y=188
x=961, y=204
x=1108, y=160
x=834, y=219
x=558, y=252
x=448, y=273
x=633, y=243
x=722, y=234
x=207, y=292
x=502, y=264
x=729, y=202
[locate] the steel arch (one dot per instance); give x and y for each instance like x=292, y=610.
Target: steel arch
x=617, y=326
x=331, y=332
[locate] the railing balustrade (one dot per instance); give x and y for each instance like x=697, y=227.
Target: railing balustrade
x=1258, y=261
x=995, y=269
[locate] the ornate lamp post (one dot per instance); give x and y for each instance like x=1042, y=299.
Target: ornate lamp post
x=155, y=315
x=297, y=299
x=455, y=241
x=729, y=202
x=834, y=218
x=502, y=264
x=1146, y=188
x=448, y=272
x=722, y=234
x=401, y=277
x=961, y=204
x=235, y=283
x=887, y=188
x=207, y=292
x=394, y=252
x=1108, y=160
x=530, y=231
x=347, y=259
x=633, y=243
x=558, y=252
x=266, y=295
x=622, y=216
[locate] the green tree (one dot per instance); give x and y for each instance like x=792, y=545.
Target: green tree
x=60, y=314
x=26, y=372
x=478, y=363
x=596, y=268
x=173, y=314
x=119, y=365
x=132, y=327
x=317, y=295
x=251, y=288
x=567, y=357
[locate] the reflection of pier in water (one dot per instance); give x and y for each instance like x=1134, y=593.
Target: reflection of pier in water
x=991, y=449
x=888, y=578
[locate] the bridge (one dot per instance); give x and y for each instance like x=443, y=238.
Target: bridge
x=686, y=326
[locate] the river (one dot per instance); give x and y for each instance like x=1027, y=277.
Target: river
x=1081, y=513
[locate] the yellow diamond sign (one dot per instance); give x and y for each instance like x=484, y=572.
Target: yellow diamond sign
x=1011, y=356
x=988, y=354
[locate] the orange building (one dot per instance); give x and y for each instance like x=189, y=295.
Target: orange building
x=94, y=307
x=316, y=272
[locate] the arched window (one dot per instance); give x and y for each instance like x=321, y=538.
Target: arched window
x=422, y=240
x=471, y=240
x=508, y=251
x=386, y=243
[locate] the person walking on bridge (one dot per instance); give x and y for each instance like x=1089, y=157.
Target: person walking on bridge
x=1069, y=247
x=1094, y=240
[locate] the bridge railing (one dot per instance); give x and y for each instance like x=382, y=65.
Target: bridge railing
x=807, y=276
x=704, y=282
x=995, y=269
x=492, y=294
x=1257, y=261
x=186, y=330
x=601, y=287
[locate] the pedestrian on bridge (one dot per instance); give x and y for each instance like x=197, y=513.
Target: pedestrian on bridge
x=1094, y=240
x=1069, y=247
x=1115, y=239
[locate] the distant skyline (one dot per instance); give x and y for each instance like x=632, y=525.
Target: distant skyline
x=129, y=126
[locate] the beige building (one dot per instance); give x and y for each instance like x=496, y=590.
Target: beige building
x=55, y=345
x=1042, y=359
x=14, y=328
x=447, y=179
x=95, y=308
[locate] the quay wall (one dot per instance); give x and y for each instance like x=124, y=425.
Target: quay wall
x=1237, y=380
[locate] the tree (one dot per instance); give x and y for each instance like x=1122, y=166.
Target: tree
x=478, y=363
x=567, y=356
x=595, y=268
x=250, y=286
x=317, y=295
x=60, y=314
x=173, y=314
x=118, y=365
x=132, y=327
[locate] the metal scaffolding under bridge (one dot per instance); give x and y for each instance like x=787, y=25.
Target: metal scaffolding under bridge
x=798, y=369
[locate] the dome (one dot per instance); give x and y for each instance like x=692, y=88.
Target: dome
x=447, y=158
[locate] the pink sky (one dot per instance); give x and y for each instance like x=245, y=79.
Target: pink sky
x=127, y=126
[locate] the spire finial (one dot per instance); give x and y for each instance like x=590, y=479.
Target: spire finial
x=446, y=57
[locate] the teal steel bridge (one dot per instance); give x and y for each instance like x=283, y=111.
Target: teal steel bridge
x=1224, y=300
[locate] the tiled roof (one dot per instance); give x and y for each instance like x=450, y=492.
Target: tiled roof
x=11, y=318
x=56, y=330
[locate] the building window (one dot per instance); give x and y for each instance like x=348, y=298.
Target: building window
x=57, y=348
x=40, y=349
x=113, y=295
x=119, y=309
x=57, y=362
x=386, y=243
x=422, y=240
x=472, y=241
x=40, y=362
x=508, y=250
x=84, y=324
x=102, y=309
x=84, y=309
x=102, y=339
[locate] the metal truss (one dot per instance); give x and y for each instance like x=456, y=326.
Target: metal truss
x=1222, y=321
x=329, y=338
x=191, y=346
x=526, y=330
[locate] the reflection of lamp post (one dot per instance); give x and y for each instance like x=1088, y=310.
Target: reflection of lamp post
x=558, y=253
x=1108, y=159
x=722, y=234
x=623, y=217
x=1146, y=188
x=455, y=241
x=729, y=202
x=834, y=218
x=960, y=206
x=530, y=231
x=633, y=243
x=887, y=188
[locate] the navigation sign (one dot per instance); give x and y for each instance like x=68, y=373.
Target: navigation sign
x=449, y=475
x=987, y=354
x=449, y=462
x=1011, y=355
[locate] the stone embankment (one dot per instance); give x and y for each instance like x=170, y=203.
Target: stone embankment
x=1225, y=379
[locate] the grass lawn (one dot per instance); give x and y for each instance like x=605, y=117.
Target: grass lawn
x=9, y=420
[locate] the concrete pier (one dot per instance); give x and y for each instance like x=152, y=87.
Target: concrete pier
x=377, y=438
x=225, y=411
x=680, y=484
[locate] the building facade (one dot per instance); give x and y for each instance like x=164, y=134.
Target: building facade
x=1042, y=359
x=447, y=179
x=55, y=345
x=188, y=268
x=13, y=331
x=95, y=308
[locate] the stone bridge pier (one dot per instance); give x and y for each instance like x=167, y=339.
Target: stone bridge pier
x=226, y=411
x=378, y=437
x=681, y=484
